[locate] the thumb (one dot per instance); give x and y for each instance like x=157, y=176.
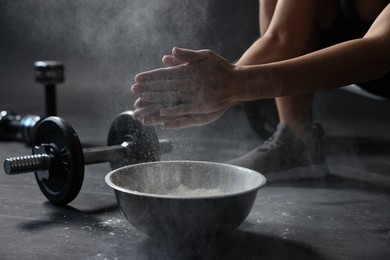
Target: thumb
x=187, y=55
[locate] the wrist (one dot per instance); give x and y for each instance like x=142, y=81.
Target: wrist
x=239, y=84
x=257, y=82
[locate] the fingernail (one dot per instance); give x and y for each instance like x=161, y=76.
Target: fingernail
x=134, y=89
x=138, y=78
x=175, y=51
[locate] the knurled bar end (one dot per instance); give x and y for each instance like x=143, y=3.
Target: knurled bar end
x=25, y=164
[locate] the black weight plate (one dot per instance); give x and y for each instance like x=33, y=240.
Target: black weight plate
x=144, y=144
x=62, y=183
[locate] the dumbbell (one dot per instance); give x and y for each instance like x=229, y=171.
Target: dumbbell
x=49, y=73
x=14, y=127
x=58, y=159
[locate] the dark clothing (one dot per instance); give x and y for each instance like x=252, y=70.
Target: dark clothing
x=349, y=26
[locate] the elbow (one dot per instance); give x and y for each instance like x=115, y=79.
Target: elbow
x=285, y=44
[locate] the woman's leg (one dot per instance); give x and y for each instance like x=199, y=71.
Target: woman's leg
x=296, y=111
x=294, y=151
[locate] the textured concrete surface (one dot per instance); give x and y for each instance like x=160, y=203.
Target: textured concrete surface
x=344, y=217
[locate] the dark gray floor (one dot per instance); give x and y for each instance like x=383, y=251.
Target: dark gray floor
x=347, y=216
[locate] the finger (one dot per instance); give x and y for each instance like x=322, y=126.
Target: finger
x=156, y=86
x=153, y=120
x=170, y=61
x=141, y=113
x=139, y=103
x=178, y=122
x=179, y=110
x=186, y=108
x=191, y=120
x=160, y=74
x=167, y=97
x=190, y=55
x=186, y=121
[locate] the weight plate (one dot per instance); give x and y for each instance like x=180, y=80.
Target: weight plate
x=62, y=182
x=144, y=144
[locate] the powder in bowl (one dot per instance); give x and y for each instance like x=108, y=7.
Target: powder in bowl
x=184, y=191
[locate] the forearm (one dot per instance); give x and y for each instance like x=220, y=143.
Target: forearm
x=265, y=50
x=272, y=48
x=350, y=62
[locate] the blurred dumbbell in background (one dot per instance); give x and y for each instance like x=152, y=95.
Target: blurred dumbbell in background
x=15, y=127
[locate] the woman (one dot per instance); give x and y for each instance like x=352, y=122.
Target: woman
x=306, y=46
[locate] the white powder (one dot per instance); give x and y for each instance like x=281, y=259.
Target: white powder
x=184, y=191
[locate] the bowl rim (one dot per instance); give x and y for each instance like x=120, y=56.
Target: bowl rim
x=108, y=181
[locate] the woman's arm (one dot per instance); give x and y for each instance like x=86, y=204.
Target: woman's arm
x=207, y=83
x=349, y=62
x=287, y=36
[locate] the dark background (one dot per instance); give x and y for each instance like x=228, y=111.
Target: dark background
x=103, y=44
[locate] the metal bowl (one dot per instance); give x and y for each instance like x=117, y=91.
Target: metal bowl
x=185, y=199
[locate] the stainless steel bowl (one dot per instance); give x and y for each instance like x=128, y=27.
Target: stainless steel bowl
x=216, y=197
